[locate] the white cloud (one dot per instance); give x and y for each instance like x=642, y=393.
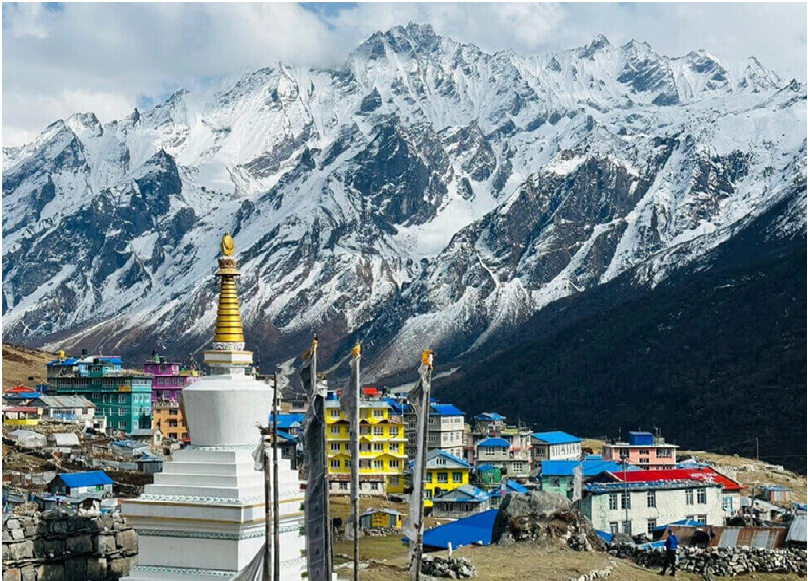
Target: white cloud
x=105, y=58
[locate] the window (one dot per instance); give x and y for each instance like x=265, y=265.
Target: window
x=613, y=503
x=172, y=435
x=644, y=461
x=343, y=486
x=364, y=430
x=335, y=446
x=664, y=453
x=517, y=466
x=121, y=411
x=378, y=413
x=393, y=448
x=427, y=493
x=726, y=503
x=335, y=463
x=429, y=477
x=689, y=496
x=378, y=430
x=105, y=400
x=555, y=482
x=651, y=526
x=393, y=431
x=394, y=464
x=374, y=486
x=701, y=518
x=690, y=517
x=457, y=477
x=378, y=464
x=443, y=477
x=335, y=430
x=643, y=452
x=627, y=527
x=613, y=528
x=121, y=425
x=625, y=500
x=701, y=496
x=121, y=398
x=378, y=447
x=334, y=412
x=394, y=481
x=651, y=498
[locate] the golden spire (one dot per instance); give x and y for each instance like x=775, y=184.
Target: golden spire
x=228, y=317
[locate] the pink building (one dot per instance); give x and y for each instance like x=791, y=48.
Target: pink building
x=644, y=450
x=169, y=380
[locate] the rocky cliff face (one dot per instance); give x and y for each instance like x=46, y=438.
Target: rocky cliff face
x=425, y=193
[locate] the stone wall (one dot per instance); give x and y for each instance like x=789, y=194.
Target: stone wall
x=722, y=562
x=56, y=546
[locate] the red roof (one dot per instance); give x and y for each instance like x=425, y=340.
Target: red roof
x=21, y=389
x=370, y=391
x=703, y=474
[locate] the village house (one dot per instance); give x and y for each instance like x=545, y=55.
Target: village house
x=730, y=489
x=81, y=483
x=498, y=452
x=65, y=408
x=382, y=453
x=558, y=476
x=639, y=507
x=643, y=449
x=125, y=399
x=21, y=415
x=168, y=380
x=380, y=518
x=444, y=428
x=553, y=446
x=461, y=502
x=444, y=472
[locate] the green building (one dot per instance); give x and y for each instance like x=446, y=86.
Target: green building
x=125, y=399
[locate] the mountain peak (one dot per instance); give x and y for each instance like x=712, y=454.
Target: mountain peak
x=598, y=43
x=402, y=40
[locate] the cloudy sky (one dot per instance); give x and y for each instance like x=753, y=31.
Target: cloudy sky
x=109, y=58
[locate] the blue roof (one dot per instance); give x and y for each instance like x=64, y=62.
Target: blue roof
x=591, y=467
x=286, y=421
x=71, y=361
x=556, y=437
x=445, y=409
x=640, y=434
x=286, y=436
x=94, y=478
x=468, y=492
x=494, y=443
x=683, y=523
x=604, y=535
x=516, y=487
x=489, y=416
x=453, y=458
x=486, y=467
x=473, y=530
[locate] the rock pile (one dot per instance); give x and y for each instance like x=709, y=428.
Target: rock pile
x=544, y=517
x=54, y=545
x=723, y=561
x=453, y=568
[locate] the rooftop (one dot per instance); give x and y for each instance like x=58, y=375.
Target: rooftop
x=445, y=409
x=608, y=487
x=556, y=437
x=94, y=478
x=707, y=475
x=592, y=465
x=494, y=443
x=490, y=417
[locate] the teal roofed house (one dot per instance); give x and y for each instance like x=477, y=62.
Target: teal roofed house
x=124, y=399
x=461, y=502
x=557, y=476
x=555, y=445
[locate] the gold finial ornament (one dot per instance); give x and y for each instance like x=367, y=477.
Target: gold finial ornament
x=228, y=245
x=357, y=350
x=426, y=357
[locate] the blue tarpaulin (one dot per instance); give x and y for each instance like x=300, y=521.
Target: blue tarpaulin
x=473, y=530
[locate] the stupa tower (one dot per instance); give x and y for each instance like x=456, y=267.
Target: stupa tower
x=203, y=517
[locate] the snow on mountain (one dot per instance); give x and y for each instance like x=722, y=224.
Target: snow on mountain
x=426, y=192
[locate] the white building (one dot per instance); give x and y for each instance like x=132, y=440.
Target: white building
x=65, y=408
x=554, y=446
x=444, y=430
x=651, y=504
x=204, y=516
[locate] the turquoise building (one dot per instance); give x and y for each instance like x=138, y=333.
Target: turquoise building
x=125, y=399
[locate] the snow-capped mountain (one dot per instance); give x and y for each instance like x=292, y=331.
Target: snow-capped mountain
x=425, y=193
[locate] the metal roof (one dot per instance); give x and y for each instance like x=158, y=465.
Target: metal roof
x=797, y=530
x=607, y=487
x=701, y=474
x=66, y=439
x=473, y=530
x=434, y=454
x=717, y=536
x=592, y=465
x=486, y=467
x=445, y=409
x=469, y=494
x=286, y=421
x=494, y=443
x=94, y=478
x=490, y=416
x=66, y=401
x=556, y=437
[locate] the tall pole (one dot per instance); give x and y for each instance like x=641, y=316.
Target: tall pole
x=267, y=497
x=757, y=449
x=276, y=517
x=626, y=526
x=426, y=378
x=320, y=402
x=354, y=424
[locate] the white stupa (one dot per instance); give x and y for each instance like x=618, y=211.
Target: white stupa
x=203, y=518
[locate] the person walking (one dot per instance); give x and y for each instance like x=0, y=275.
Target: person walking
x=671, y=545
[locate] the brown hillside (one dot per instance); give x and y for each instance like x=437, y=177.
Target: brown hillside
x=20, y=363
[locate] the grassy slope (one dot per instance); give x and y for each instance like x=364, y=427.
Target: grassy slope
x=20, y=363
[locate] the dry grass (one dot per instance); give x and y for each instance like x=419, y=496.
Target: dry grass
x=519, y=561
x=20, y=363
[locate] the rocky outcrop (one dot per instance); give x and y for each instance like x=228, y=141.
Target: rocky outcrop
x=56, y=546
x=545, y=518
x=722, y=561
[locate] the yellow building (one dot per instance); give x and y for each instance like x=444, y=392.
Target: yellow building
x=382, y=449
x=444, y=473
